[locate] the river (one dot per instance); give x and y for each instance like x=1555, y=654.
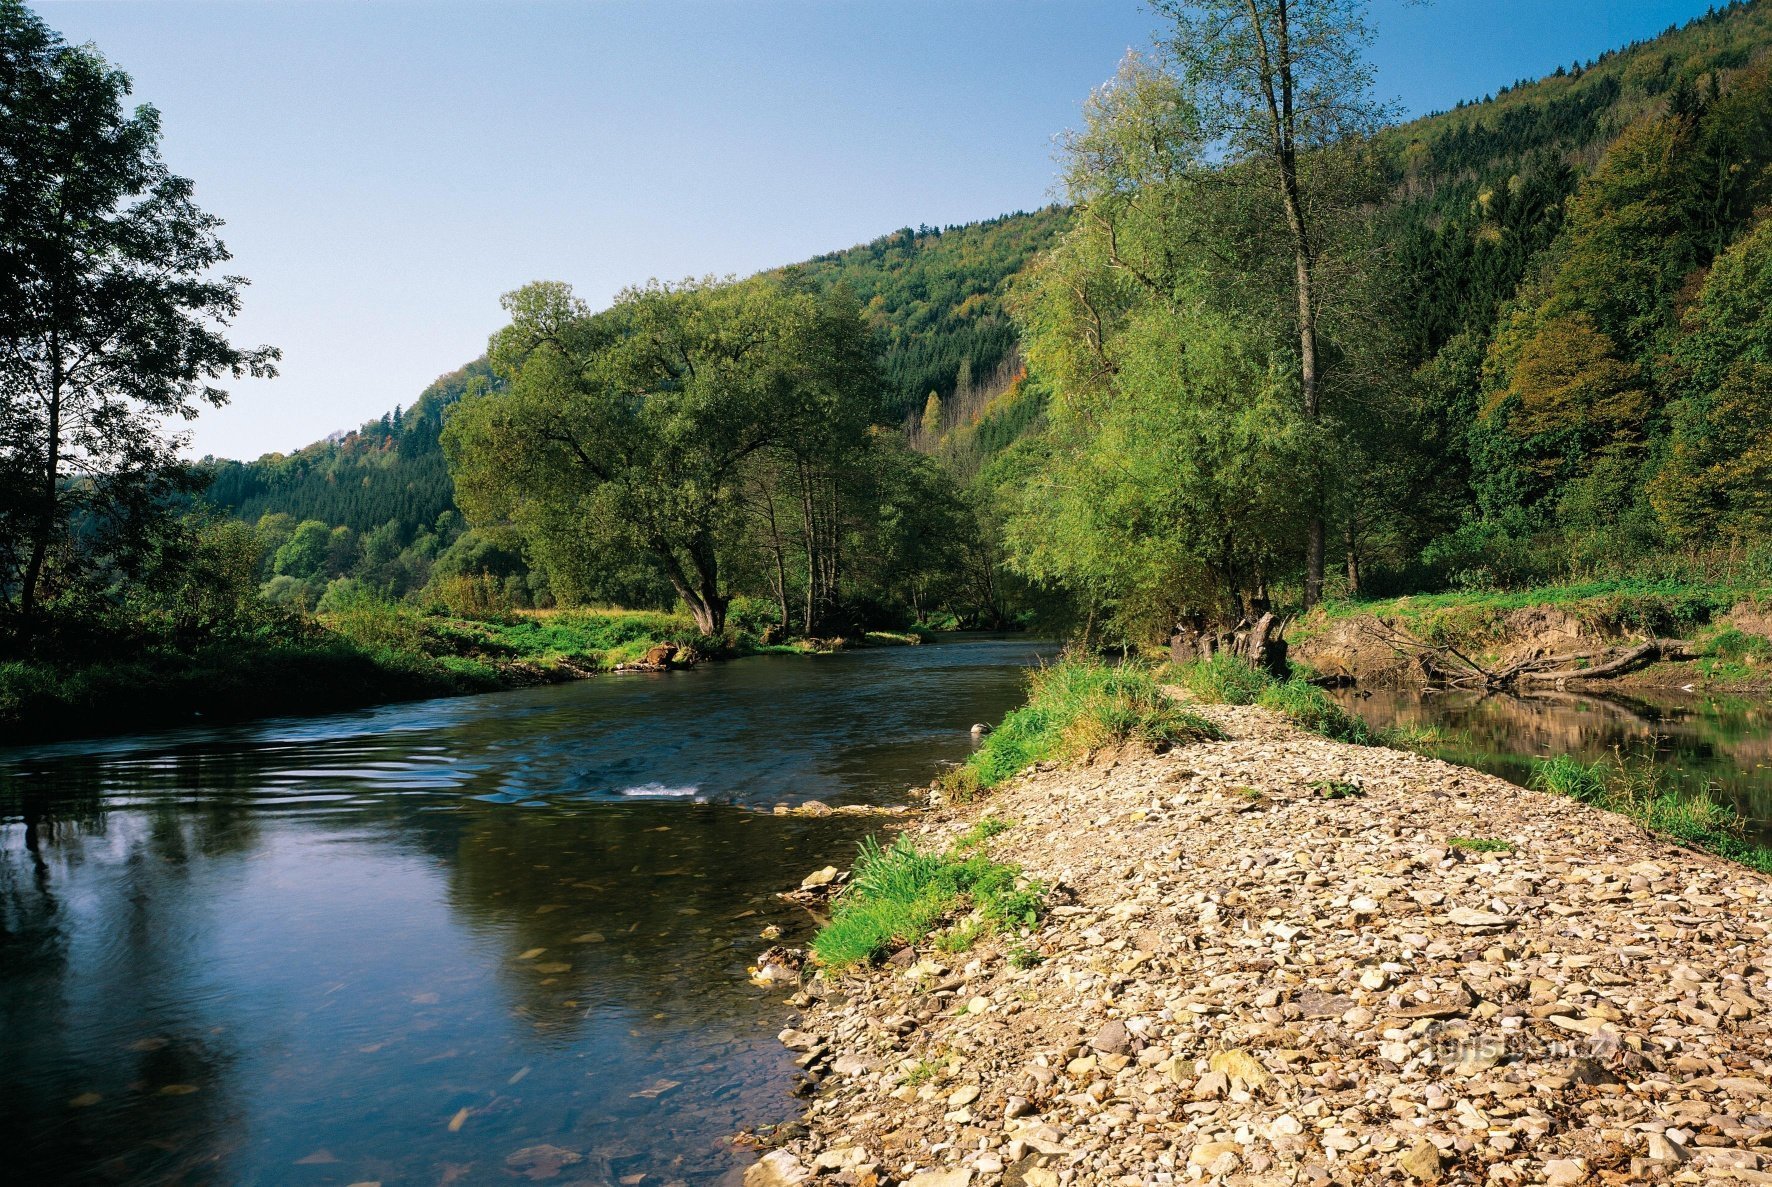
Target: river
x=1719, y=744
x=477, y=940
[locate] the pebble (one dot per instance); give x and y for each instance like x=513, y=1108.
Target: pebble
x=1321, y=991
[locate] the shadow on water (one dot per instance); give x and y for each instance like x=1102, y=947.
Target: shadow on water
x=1720, y=743
x=404, y=945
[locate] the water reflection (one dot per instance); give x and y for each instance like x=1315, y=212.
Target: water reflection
x=1724, y=744
x=408, y=944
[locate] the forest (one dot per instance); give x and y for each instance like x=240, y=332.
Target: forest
x=1274, y=348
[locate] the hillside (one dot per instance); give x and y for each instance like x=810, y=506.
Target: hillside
x=1479, y=230
x=934, y=296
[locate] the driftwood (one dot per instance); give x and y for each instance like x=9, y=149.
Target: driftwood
x=1261, y=642
x=1443, y=664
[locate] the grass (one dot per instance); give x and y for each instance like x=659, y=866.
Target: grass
x=1227, y=680
x=1076, y=707
x=369, y=651
x=1475, y=621
x=1641, y=790
x=898, y=895
x=1481, y=844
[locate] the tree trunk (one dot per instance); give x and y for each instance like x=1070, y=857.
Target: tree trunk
x=1278, y=85
x=44, y=526
x=1353, y=560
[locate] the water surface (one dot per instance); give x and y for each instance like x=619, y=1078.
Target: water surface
x=414, y=943
x=1719, y=744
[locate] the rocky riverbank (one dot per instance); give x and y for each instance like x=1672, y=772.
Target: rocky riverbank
x=1276, y=959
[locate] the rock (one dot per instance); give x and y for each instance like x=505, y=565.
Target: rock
x=1240, y=1065
x=1422, y=1162
x=541, y=1162
x=1487, y=920
x=958, y=1177
x=963, y=1096
x=797, y=1040
x=1565, y=1172
x=777, y=1168
x=819, y=878
x=1662, y=1150
x=1214, y=1155
x=1112, y=1039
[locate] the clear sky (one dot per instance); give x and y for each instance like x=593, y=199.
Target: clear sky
x=387, y=168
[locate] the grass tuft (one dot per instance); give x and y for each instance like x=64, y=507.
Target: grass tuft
x=1481, y=844
x=1228, y=680
x=899, y=895
x=1075, y=707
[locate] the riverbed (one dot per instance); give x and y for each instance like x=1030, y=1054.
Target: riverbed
x=476, y=940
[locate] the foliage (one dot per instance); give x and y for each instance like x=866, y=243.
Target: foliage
x=623, y=437
x=898, y=895
x=1075, y=707
x=111, y=324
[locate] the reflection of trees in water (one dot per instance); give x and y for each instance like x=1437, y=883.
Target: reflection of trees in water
x=644, y=919
x=1727, y=743
x=98, y=996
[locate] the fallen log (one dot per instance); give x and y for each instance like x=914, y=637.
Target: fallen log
x=1449, y=667
x=1629, y=661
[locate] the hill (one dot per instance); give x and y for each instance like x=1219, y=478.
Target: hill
x=1484, y=198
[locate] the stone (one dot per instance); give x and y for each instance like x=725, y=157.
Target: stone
x=1113, y=1039
x=1211, y=1155
x=1565, y=1172
x=1421, y=1162
x=960, y=1176
x=777, y=1168
x=819, y=878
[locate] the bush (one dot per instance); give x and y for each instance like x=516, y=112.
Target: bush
x=1075, y=707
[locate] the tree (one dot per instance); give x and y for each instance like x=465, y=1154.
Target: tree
x=1717, y=480
x=621, y=436
x=111, y=321
x=1274, y=83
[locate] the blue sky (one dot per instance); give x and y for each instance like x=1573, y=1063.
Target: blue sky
x=387, y=168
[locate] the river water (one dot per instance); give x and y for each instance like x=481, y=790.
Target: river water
x=1722, y=745
x=477, y=940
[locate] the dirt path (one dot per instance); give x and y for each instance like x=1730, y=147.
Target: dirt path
x=1270, y=965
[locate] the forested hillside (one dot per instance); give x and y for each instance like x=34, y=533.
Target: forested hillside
x=932, y=297
x=1536, y=371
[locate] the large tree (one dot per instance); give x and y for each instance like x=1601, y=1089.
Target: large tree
x=1277, y=86
x=112, y=318
x=625, y=435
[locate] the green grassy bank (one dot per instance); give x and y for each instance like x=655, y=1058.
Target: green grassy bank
x=368, y=653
